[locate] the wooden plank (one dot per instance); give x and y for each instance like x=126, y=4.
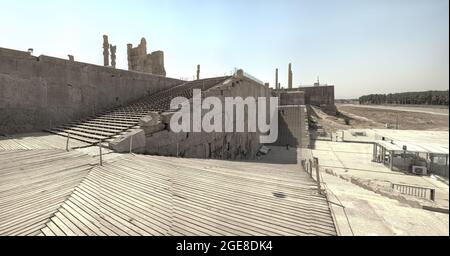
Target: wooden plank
x=52, y=226
x=47, y=232
x=69, y=224
x=82, y=217
x=76, y=222
x=67, y=231
x=97, y=217
x=148, y=223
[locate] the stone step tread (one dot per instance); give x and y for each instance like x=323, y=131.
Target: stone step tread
x=93, y=127
x=103, y=123
x=121, y=116
x=83, y=134
x=73, y=136
x=112, y=120
x=121, y=119
x=132, y=116
x=91, y=131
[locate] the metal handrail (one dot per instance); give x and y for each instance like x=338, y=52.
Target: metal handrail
x=308, y=162
x=328, y=190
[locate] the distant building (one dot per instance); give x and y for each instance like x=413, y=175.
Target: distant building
x=317, y=95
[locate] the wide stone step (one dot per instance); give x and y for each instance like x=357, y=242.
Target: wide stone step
x=120, y=118
x=73, y=136
x=125, y=115
x=130, y=116
x=82, y=134
x=140, y=112
x=91, y=131
x=95, y=127
x=111, y=122
x=114, y=121
x=106, y=124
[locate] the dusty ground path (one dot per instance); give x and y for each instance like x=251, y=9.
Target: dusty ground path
x=428, y=110
x=405, y=118
x=334, y=123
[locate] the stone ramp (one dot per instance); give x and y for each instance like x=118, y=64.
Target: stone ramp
x=151, y=195
x=105, y=127
x=33, y=185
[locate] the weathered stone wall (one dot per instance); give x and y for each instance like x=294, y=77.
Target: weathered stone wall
x=319, y=95
x=219, y=145
x=292, y=126
x=292, y=98
x=39, y=92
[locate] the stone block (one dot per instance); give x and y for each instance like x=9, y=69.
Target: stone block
x=123, y=143
x=153, y=118
x=153, y=129
x=165, y=117
x=151, y=123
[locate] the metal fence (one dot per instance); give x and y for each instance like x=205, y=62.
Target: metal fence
x=311, y=165
x=307, y=159
x=421, y=192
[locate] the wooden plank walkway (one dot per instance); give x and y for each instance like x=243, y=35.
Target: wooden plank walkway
x=34, y=184
x=151, y=195
x=39, y=140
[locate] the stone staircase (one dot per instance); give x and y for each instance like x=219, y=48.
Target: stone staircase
x=106, y=126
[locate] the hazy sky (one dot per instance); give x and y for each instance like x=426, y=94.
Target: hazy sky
x=360, y=46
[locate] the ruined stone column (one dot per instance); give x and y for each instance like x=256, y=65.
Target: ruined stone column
x=198, y=72
x=105, y=51
x=290, y=76
x=129, y=47
x=276, y=79
x=113, y=55
x=240, y=73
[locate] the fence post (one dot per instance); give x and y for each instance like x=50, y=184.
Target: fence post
x=310, y=167
x=100, y=149
x=67, y=142
x=316, y=163
x=131, y=144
